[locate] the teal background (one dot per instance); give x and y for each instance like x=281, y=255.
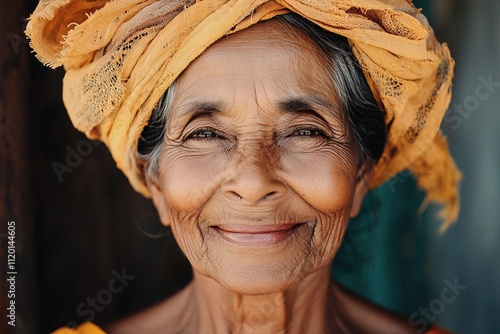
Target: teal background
x=396, y=257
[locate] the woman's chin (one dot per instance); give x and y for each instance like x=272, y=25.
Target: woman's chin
x=261, y=269
x=257, y=279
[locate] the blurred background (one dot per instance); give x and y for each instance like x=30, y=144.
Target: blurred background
x=80, y=226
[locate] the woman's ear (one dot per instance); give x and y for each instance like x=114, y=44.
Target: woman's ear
x=159, y=201
x=365, y=174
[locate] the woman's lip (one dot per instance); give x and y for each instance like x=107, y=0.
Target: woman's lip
x=255, y=229
x=255, y=235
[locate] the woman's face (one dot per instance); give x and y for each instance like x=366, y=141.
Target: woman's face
x=259, y=169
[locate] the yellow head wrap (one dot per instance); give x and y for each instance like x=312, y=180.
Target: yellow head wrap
x=121, y=55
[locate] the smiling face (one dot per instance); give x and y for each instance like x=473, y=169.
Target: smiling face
x=258, y=174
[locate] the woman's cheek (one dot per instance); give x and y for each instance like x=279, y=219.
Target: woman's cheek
x=326, y=181
x=189, y=180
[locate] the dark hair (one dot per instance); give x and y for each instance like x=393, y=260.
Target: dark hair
x=367, y=120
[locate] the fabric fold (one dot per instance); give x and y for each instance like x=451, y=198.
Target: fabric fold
x=121, y=55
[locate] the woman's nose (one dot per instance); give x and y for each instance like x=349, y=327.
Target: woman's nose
x=253, y=180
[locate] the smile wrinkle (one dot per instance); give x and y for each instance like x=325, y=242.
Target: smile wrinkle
x=261, y=235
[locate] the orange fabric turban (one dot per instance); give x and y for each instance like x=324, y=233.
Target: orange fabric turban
x=121, y=55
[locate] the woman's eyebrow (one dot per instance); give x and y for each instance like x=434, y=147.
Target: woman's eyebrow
x=308, y=105
x=199, y=107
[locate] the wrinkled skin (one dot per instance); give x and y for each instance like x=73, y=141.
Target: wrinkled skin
x=259, y=175
x=256, y=137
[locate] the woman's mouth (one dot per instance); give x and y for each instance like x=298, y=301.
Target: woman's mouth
x=260, y=235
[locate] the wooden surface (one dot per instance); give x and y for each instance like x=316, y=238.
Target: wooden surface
x=16, y=172
x=79, y=224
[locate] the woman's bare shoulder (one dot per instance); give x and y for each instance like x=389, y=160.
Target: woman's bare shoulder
x=169, y=316
x=359, y=315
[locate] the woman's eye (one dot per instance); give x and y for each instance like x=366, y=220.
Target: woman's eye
x=203, y=134
x=309, y=133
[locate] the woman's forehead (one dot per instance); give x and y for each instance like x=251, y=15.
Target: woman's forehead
x=268, y=59
x=275, y=32
x=265, y=40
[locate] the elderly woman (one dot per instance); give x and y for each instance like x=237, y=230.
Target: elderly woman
x=257, y=127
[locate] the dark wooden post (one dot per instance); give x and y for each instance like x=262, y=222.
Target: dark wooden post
x=16, y=196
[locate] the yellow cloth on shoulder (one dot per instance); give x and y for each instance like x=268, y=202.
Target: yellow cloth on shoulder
x=121, y=55
x=90, y=328
x=86, y=328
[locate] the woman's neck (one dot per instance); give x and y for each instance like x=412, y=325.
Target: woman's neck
x=316, y=305
x=222, y=311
